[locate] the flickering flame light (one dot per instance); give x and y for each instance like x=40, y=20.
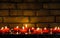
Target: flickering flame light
x=58, y=28
x=45, y=30
x=2, y=28
x=31, y=30
x=26, y=25
x=16, y=29
x=23, y=30
x=32, y=27
x=5, y=27
x=17, y=26
x=38, y=28
x=23, y=27
x=17, y=33
x=55, y=28
x=37, y=31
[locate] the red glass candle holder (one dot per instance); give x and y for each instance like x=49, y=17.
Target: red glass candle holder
x=16, y=29
x=37, y=31
x=45, y=30
x=23, y=30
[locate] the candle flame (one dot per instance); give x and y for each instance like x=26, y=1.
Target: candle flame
x=32, y=27
x=58, y=28
x=17, y=26
x=29, y=30
x=38, y=28
x=17, y=33
x=26, y=25
x=55, y=28
x=2, y=28
x=45, y=28
x=5, y=27
x=23, y=27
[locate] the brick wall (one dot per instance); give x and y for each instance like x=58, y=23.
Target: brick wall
x=34, y=13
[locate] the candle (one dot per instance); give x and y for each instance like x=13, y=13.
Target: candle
x=23, y=30
x=29, y=31
x=55, y=30
x=58, y=29
x=26, y=27
x=32, y=29
x=50, y=30
x=16, y=29
x=6, y=30
x=45, y=30
x=37, y=31
x=2, y=30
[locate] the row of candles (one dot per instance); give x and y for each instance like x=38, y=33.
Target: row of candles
x=32, y=30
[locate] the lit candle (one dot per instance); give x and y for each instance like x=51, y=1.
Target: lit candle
x=55, y=30
x=2, y=30
x=26, y=27
x=16, y=29
x=37, y=31
x=32, y=29
x=45, y=30
x=23, y=30
x=50, y=30
x=6, y=30
x=29, y=31
x=58, y=29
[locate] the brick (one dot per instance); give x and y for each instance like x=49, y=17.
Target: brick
x=42, y=12
x=29, y=6
x=4, y=13
x=55, y=12
x=15, y=19
x=28, y=13
x=16, y=12
x=29, y=25
x=41, y=19
x=0, y=19
x=22, y=6
x=14, y=25
x=51, y=6
x=57, y=18
x=7, y=6
x=42, y=25
x=54, y=25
